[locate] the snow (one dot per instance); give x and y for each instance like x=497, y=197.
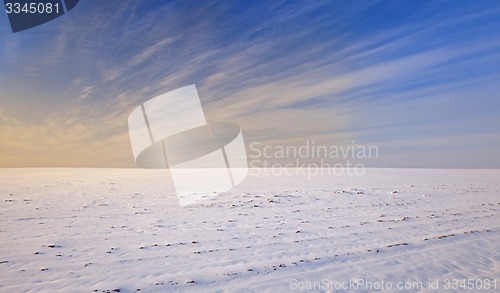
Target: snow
x=84, y=230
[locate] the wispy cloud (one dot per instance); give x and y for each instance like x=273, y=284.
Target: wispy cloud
x=285, y=72
x=63, y=141
x=85, y=92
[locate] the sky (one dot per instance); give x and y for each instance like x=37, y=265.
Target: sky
x=417, y=79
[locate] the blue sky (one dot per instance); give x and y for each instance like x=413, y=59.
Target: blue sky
x=419, y=79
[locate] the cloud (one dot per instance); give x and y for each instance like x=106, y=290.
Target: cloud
x=284, y=73
x=149, y=52
x=62, y=141
x=85, y=92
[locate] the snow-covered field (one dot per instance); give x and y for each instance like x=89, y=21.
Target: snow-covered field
x=85, y=230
